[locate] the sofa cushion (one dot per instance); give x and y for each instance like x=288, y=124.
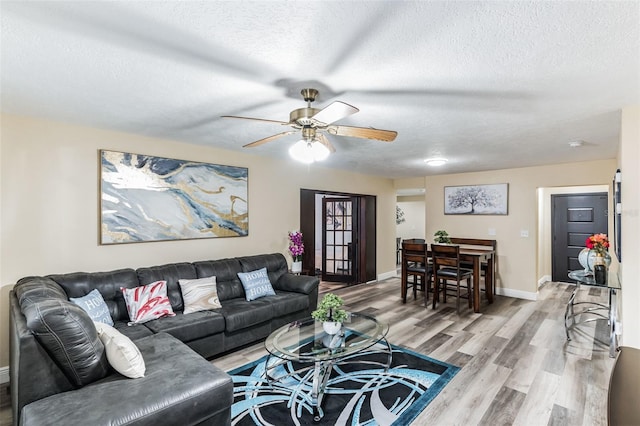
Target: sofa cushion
x=69, y=336
x=77, y=284
x=134, y=331
x=256, y=284
x=285, y=303
x=147, y=302
x=199, y=295
x=38, y=289
x=226, y=273
x=123, y=355
x=189, y=327
x=239, y=314
x=170, y=273
x=179, y=388
x=94, y=305
x=275, y=263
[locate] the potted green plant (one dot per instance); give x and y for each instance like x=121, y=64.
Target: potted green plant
x=330, y=313
x=441, y=237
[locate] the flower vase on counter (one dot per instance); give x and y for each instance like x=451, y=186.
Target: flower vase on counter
x=596, y=251
x=600, y=269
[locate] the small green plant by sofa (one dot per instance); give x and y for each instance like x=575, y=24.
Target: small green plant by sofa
x=329, y=309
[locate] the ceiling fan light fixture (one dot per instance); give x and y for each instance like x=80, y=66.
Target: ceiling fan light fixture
x=308, y=151
x=435, y=162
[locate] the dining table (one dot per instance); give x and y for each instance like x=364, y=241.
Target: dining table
x=476, y=256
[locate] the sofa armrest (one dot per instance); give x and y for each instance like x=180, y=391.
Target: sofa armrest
x=297, y=283
x=622, y=405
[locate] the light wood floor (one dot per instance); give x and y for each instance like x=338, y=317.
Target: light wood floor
x=517, y=366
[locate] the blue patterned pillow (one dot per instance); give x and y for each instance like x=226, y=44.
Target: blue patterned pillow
x=95, y=306
x=256, y=284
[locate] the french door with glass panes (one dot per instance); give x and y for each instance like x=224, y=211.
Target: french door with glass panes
x=339, y=239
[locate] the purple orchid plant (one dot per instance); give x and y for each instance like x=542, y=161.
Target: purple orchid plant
x=296, y=246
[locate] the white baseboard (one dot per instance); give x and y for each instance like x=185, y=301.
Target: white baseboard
x=518, y=294
x=385, y=275
x=4, y=375
x=544, y=279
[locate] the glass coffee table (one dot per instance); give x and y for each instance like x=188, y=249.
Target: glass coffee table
x=305, y=343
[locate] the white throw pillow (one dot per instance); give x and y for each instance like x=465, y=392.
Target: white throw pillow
x=123, y=355
x=199, y=295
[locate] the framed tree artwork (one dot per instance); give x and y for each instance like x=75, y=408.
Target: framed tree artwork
x=477, y=199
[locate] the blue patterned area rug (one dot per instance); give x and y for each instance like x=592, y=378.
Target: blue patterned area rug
x=356, y=393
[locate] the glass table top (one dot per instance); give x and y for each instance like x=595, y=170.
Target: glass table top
x=587, y=278
x=306, y=340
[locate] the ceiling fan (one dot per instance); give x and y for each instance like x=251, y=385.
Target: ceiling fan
x=312, y=122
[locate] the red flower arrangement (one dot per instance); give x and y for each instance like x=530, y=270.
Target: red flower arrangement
x=598, y=242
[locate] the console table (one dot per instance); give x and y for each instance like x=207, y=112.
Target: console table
x=598, y=311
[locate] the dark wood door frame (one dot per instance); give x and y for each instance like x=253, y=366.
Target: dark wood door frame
x=366, y=238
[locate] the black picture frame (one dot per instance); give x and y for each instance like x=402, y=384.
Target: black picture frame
x=617, y=214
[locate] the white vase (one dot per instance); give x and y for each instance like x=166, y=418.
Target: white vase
x=331, y=327
x=587, y=257
x=296, y=267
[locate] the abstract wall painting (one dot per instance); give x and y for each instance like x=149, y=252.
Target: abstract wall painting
x=476, y=199
x=146, y=198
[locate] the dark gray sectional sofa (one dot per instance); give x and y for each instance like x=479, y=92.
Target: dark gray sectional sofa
x=62, y=377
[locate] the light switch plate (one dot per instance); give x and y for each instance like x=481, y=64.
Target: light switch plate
x=524, y=233
x=492, y=231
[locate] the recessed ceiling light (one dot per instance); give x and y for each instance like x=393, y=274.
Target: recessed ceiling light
x=576, y=143
x=435, y=162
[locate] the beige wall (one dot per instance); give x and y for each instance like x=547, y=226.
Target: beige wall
x=517, y=256
x=413, y=226
x=629, y=162
x=49, y=204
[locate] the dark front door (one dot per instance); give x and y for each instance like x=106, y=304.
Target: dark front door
x=574, y=218
x=339, y=239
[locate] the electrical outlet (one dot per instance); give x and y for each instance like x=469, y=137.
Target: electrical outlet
x=492, y=231
x=524, y=233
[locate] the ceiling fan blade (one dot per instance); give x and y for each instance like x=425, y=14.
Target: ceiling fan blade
x=256, y=119
x=334, y=112
x=268, y=139
x=363, y=132
x=320, y=137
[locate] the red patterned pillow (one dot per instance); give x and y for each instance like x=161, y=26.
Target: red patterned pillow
x=147, y=302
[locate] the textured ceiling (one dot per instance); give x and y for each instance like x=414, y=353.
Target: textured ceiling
x=487, y=85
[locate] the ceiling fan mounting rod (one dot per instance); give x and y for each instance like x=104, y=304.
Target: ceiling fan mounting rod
x=309, y=95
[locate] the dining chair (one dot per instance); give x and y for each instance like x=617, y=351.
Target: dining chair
x=446, y=268
x=416, y=270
